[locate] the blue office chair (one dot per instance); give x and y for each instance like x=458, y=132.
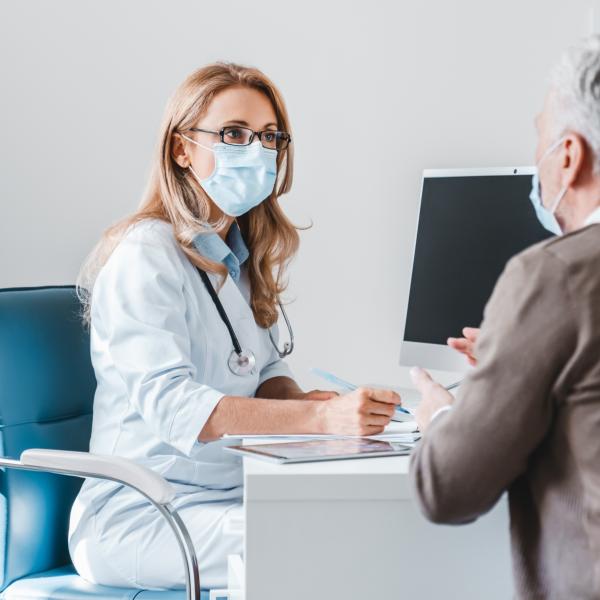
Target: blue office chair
x=46, y=393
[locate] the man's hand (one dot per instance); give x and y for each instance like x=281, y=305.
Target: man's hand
x=433, y=397
x=465, y=345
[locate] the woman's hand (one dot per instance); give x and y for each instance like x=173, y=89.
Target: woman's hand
x=315, y=395
x=287, y=389
x=364, y=411
x=466, y=345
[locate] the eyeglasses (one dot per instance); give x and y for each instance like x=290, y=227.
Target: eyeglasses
x=242, y=136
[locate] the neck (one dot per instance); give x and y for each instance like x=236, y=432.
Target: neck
x=584, y=218
x=579, y=207
x=216, y=215
x=223, y=233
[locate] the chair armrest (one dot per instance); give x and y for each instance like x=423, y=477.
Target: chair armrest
x=116, y=468
x=148, y=483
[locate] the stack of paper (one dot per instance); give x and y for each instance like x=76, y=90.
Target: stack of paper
x=405, y=433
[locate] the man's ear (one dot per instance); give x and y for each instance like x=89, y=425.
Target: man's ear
x=178, y=151
x=576, y=155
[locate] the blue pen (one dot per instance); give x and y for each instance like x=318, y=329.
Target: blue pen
x=345, y=385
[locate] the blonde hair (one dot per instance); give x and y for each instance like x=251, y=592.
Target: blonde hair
x=174, y=196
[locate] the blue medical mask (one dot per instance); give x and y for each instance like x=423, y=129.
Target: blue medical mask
x=243, y=177
x=546, y=216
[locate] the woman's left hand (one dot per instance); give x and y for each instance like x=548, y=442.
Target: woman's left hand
x=287, y=389
x=316, y=395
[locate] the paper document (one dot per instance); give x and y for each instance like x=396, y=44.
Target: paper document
x=404, y=432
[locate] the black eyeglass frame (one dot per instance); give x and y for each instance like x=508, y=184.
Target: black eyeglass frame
x=258, y=134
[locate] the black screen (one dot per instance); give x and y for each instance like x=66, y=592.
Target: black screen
x=469, y=227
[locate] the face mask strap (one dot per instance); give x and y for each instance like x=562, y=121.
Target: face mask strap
x=195, y=142
x=551, y=149
x=194, y=174
x=560, y=196
x=546, y=154
x=201, y=146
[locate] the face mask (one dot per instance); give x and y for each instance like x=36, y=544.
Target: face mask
x=546, y=216
x=243, y=177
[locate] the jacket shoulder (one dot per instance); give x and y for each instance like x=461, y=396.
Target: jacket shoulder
x=147, y=242
x=571, y=249
x=581, y=246
x=569, y=261
x=148, y=230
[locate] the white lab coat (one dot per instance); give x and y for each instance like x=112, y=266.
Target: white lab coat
x=159, y=351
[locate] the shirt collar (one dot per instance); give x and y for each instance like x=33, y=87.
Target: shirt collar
x=232, y=252
x=593, y=217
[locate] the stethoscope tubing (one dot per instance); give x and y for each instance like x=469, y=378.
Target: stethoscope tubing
x=288, y=347
x=221, y=310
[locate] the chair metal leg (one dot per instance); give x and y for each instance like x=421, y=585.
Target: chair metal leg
x=187, y=549
x=178, y=527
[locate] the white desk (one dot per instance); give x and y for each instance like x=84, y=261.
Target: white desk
x=350, y=530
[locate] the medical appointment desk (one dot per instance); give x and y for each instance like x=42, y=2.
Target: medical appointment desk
x=351, y=530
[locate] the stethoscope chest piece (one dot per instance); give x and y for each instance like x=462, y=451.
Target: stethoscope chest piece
x=242, y=363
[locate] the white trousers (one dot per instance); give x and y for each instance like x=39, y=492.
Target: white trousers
x=129, y=544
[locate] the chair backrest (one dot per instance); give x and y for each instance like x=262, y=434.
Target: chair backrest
x=46, y=395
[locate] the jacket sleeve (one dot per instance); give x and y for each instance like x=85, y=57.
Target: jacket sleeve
x=138, y=301
x=503, y=410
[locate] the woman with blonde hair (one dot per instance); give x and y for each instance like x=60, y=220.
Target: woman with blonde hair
x=181, y=299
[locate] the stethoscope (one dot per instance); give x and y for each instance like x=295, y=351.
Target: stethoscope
x=242, y=362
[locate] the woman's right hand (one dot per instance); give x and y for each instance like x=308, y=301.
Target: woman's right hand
x=365, y=411
x=466, y=345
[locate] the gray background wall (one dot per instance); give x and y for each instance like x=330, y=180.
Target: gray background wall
x=377, y=91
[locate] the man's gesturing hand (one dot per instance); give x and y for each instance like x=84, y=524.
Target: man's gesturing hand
x=433, y=397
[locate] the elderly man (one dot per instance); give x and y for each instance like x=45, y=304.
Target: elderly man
x=527, y=418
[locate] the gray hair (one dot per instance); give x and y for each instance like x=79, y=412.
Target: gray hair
x=575, y=83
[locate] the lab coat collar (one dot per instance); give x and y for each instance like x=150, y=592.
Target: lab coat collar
x=232, y=252
x=593, y=217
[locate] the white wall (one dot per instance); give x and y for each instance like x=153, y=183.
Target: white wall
x=377, y=91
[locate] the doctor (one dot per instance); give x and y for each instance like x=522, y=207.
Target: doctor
x=182, y=303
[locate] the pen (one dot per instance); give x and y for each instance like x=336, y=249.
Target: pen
x=345, y=385
x=453, y=385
